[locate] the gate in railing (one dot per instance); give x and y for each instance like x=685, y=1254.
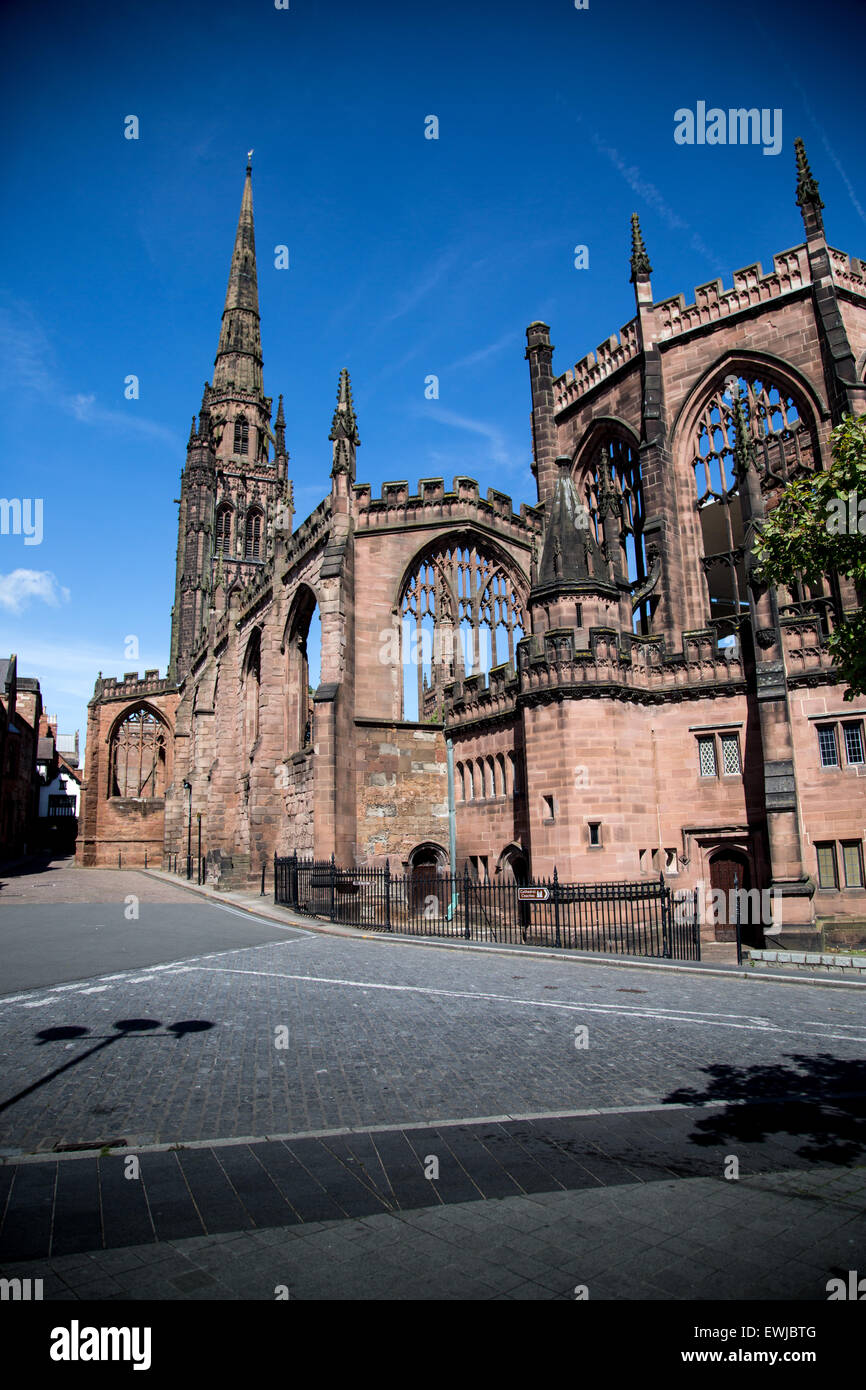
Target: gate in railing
x=638, y=919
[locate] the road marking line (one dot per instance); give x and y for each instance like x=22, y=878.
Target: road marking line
x=694, y=1016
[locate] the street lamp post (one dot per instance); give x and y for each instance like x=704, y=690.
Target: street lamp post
x=187, y=786
x=198, y=857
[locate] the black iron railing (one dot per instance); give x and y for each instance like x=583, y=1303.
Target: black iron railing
x=644, y=918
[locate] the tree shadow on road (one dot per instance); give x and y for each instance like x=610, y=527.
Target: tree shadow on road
x=819, y=1099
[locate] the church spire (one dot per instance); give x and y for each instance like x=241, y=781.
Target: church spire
x=239, y=355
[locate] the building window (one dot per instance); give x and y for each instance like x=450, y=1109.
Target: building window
x=827, y=745
x=730, y=755
x=242, y=436
x=707, y=757
x=253, y=535
x=827, y=874
x=783, y=449
x=595, y=833
x=853, y=742
x=138, y=757
x=547, y=803
x=852, y=859
x=224, y=531
x=461, y=614
x=616, y=479
x=672, y=864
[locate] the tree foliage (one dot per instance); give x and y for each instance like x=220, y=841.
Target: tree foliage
x=820, y=525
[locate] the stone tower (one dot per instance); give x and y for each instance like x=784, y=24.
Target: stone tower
x=234, y=493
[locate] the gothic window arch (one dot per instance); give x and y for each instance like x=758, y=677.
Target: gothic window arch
x=224, y=529
x=242, y=435
x=462, y=612
x=302, y=648
x=252, y=682
x=137, y=757
x=253, y=534
x=782, y=441
x=612, y=482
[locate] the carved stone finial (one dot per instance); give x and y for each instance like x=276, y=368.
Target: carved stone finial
x=640, y=264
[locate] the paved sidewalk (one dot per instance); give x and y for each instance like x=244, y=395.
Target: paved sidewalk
x=776, y=1237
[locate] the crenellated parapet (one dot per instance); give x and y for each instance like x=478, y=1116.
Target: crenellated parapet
x=566, y=663
x=131, y=686
x=751, y=286
x=308, y=535
x=806, y=648
x=398, y=507
x=848, y=272
x=596, y=367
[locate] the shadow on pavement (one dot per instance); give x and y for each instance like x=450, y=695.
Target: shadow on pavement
x=820, y=1100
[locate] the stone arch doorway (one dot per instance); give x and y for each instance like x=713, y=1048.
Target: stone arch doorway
x=731, y=871
x=513, y=869
x=427, y=864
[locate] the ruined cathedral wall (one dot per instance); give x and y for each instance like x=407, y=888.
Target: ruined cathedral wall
x=401, y=775
x=118, y=830
x=634, y=771
x=490, y=793
x=617, y=399
x=390, y=532
x=832, y=799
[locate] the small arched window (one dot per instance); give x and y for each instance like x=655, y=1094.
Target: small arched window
x=242, y=435
x=253, y=543
x=224, y=530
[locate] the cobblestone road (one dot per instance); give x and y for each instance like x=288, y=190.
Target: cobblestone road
x=381, y=1033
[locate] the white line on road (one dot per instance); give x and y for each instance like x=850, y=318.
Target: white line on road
x=744, y=1022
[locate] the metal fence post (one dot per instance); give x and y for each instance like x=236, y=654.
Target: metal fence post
x=388, y=894
x=333, y=886
x=558, y=941
x=739, y=932
x=467, y=930
x=666, y=926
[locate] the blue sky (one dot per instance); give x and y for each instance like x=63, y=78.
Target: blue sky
x=407, y=256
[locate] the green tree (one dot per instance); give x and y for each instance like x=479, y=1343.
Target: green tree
x=820, y=525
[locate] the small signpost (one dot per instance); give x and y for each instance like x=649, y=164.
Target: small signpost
x=533, y=895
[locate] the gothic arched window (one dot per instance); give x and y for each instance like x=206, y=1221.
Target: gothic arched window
x=461, y=613
x=224, y=530
x=252, y=689
x=138, y=756
x=303, y=645
x=242, y=435
x=616, y=471
x=253, y=537
x=784, y=449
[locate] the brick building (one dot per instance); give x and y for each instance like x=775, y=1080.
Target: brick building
x=20, y=715
x=618, y=694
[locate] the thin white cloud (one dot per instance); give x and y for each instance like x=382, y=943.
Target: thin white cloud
x=18, y=588
x=425, y=285
x=27, y=362
x=651, y=195
x=499, y=450
x=509, y=340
